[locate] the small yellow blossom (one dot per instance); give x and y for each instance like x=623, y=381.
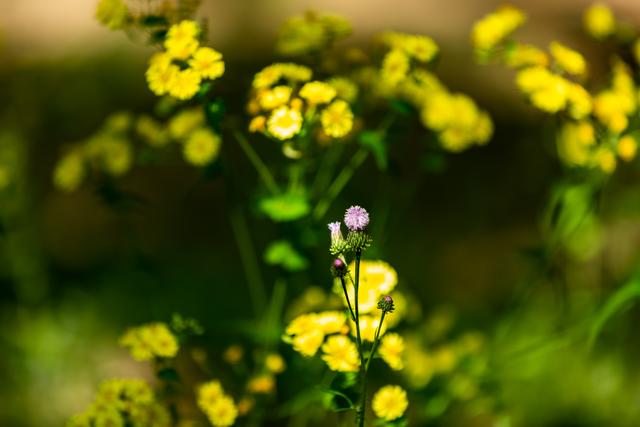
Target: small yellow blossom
x=161, y=76
x=568, y=59
x=525, y=55
x=493, y=28
x=223, y=412
x=275, y=363
x=337, y=119
x=186, y=121
x=284, y=123
x=420, y=48
x=201, y=147
x=151, y=131
x=391, y=350
x=150, y=340
x=207, y=63
x=233, y=354
x=262, y=384
x=185, y=84
x=181, y=41
x=605, y=159
x=331, y=322
x=599, y=21
x=575, y=141
x=112, y=13
x=580, y=104
x=317, y=92
x=245, y=405
x=208, y=393
x=368, y=327
x=377, y=278
x=302, y=324
x=271, y=74
x=308, y=343
x=627, y=148
x=70, y=171
x=268, y=99
x=257, y=124
x=341, y=354
x=390, y=402
x=395, y=66
x=609, y=108
x=345, y=88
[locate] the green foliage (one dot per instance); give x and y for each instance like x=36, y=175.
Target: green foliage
x=619, y=301
x=285, y=207
x=375, y=142
x=283, y=254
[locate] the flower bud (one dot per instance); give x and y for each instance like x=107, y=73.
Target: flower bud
x=339, y=268
x=337, y=241
x=386, y=304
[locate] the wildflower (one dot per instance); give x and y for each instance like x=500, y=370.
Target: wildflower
x=185, y=84
x=627, y=148
x=69, y=172
x=271, y=74
x=339, y=268
x=207, y=63
x=317, y=92
x=568, y=59
x=181, y=41
x=609, y=109
x=377, y=278
x=580, y=104
x=386, y=304
x=312, y=32
x=201, y=147
x=331, y=322
x=525, y=55
x=268, y=99
x=341, y=354
x=112, y=13
x=275, y=363
x=356, y=218
x=574, y=143
x=150, y=340
x=262, y=384
x=368, y=327
x=345, y=88
x=257, y=124
x=308, y=343
x=208, y=393
x=337, y=241
x=284, y=123
x=186, y=121
x=496, y=26
x=395, y=66
x=161, y=77
x=223, y=412
x=116, y=156
x=391, y=350
x=605, y=160
x=390, y=402
x=599, y=21
x=337, y=119
x=151, y=131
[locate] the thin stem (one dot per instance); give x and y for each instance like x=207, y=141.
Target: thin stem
x=339, y=183
x=346, y=295
x=257, y=292
x=257, y=163
x=361, y=405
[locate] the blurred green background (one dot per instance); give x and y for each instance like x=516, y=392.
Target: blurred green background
x=75, y=272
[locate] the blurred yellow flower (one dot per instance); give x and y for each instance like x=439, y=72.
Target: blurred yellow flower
x=257, y=124
x=496, y=26
x=262, y=384
x=390, y=402
x=345, y=88
x=341, y=354
x=525, y=55
x=376, y=279
x=207, y=63
x=395, y=66
x=331, y=322
x=151, y=340
x=268, y=99
x=208, y=393
x=308, y=343
x=575, y=141
x=271, y=74
x=152, y=132
x=627, y=148
x=337, y=119
x=284, y=123
x=112, y=13
x=599, y=21
x=391, y=350
x=605, y=159
x=275, y=363
x=317, y=92
x=161, y=76
x=186, y=121
x=201, y=147
x=223, y=412
x=70, y=171
x=181, y=41
x=233, y=354
x=568, y=59
x=185, y=84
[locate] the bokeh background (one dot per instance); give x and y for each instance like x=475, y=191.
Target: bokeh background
x=74, y=272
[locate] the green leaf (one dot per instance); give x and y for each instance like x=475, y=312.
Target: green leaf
x=374, y=142
x=283, y=254
x=285, y=207
x=619, y=301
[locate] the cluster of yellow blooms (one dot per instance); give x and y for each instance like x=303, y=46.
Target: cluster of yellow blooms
x=153, y=340
x=219, y=407
x=390, y=402
x=123, y=402
x=594, y=124
x=200, y=145
x=454, y=117
x=108, y=151
x=307, y=332
x=285, y=103
x=264, y=382
x=181, y=68
x=310, y=33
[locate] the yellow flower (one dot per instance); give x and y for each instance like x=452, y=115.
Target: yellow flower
x=390, y=402
x=496, y=26
x=207, y=63
x=201, y=147
x=186, y=121
x=69, y=172
x=308, y=343
x=257, y=124
x=181, y=41
x=337, y=119
x=609, y=109
x=208, y=393
x=262, y=384
x=627, y=148
x=605, y=159
x=574, y=143
x=185, y=84
x=223, y=412
x=377, y=278
x=284, y=123
x=271, y=74
x=599, y=21
x=150, y=340
x=391, y=350
x=302, y=324
x=395, y=66
x=151, y=131
x=525, y=55
x=268, y=99
x=112, y=13
x=233, y=354
x=114, y=155
x=444, y=359
x=368, y=327
x=341, y=354
x=317, y=92
x=580, y=104
x=568, y=59
x=161, y=75
x=275, y=363
x=345, y=88
x=331, y=322
x=245, y=405
x=421, y=48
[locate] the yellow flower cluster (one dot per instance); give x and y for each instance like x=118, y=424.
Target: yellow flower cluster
x=403, y=50
x=599, y=21
x=390, y=402
x=392, y=350
x=495, y=27
x=220, y=408
x=200, y=145
x=284, y=99
x=153, y=340
x=377, y=278
x=307, y=332
x=311, y=33
x=182, y=67
x=123, y=402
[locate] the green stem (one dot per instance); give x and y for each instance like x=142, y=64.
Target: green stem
x=361, y=404
x=339, y=183
x=257, y=292
x=346, y=295
x=257, y=163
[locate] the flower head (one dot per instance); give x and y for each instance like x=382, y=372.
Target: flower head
x=390, y=402
x=356, y=218
x=339, y=268
x=341, y=354
x=284, y=123
x=337, y=241
x=386, y=304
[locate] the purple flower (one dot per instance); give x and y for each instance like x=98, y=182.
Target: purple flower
x=336, y=233
x=356, y=218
